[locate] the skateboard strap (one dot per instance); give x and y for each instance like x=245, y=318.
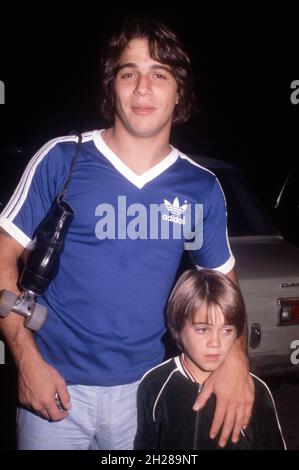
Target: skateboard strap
x=73, y=162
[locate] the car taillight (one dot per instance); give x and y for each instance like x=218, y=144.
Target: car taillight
x=288, y=311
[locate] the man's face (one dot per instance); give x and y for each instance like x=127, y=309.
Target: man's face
x=145, y=92
x=207, y=340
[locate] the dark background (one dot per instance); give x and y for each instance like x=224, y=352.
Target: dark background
x=244, y=61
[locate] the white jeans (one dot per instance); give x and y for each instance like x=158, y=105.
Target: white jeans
x=101, y=418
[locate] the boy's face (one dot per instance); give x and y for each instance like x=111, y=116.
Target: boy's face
x=145, y=92
x=207, y=340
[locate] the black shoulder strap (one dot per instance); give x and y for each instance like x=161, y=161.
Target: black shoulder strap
x=73, y=162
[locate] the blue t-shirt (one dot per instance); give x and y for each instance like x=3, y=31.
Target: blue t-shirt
x=106, y=305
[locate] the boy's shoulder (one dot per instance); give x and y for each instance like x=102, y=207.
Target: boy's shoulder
x=263, y=395
x=259, y=384
x=159, y=375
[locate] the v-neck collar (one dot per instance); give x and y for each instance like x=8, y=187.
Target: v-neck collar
x=121, y=167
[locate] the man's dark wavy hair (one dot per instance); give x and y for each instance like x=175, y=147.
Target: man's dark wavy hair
x=164, y=47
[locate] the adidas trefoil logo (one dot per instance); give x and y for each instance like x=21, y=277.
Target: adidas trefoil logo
x=175, y=207
x=176, y=210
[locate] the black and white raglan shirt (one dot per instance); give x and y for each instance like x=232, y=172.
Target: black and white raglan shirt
x=166, y=419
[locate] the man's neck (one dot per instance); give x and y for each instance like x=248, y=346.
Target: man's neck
x=139, y=154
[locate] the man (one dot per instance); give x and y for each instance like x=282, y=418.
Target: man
x=138, y=203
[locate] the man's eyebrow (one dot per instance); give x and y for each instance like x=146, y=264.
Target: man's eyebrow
x=161, y=66
x=152, y=67
x=128, y=64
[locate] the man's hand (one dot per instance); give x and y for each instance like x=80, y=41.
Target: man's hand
x=234, y=390
x=38, y=384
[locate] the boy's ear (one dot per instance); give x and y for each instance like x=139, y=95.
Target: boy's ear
x=177, y=340
x=175, y=337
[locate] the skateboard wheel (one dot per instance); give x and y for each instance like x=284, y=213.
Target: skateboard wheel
x=37, y=318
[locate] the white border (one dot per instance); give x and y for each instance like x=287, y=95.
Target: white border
x=14, y=231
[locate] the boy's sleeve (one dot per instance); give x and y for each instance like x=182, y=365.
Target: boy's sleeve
x=271, y=438
x=268, y=426
x=215, y=252
x=35, y=193
x=147, y=436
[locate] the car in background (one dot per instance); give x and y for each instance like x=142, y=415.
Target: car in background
x=286, y=210
x=267, y=268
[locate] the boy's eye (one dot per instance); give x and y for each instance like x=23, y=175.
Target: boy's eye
x=227, y=331
x=201, y=330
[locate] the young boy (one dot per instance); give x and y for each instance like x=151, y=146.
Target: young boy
x=205, y=315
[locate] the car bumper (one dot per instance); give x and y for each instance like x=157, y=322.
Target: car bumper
x=275, y=364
